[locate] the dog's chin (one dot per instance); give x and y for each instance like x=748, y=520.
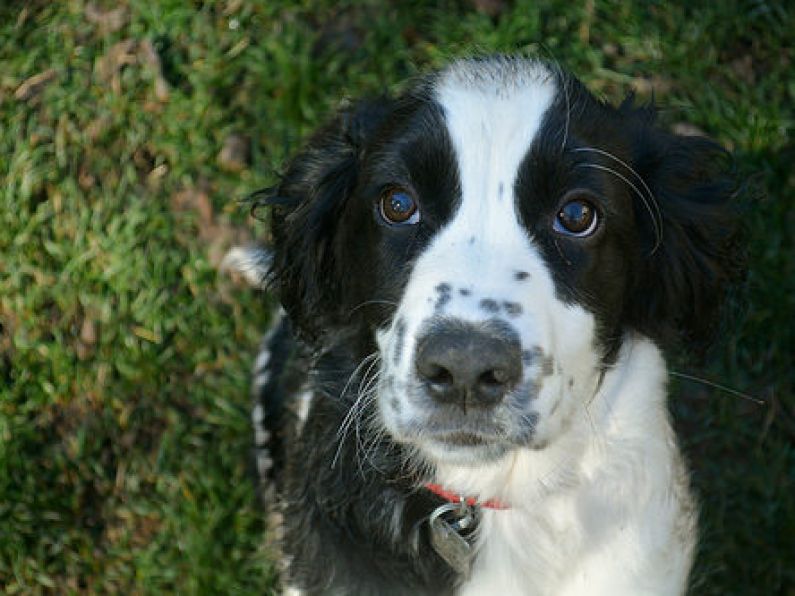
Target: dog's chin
x=463, y=449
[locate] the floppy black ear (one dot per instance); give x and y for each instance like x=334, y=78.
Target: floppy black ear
x=691, y=263
x=305, y=209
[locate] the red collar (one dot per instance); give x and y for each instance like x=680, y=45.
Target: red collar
x=449, y=495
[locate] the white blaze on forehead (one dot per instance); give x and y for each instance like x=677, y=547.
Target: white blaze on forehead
x=493, y=111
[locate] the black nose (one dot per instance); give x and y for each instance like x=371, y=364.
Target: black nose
x=469, y=364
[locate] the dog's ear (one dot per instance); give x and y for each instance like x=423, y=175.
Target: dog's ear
x=692, y=256
x=306, y=208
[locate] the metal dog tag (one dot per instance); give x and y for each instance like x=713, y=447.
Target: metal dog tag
x=451, y=526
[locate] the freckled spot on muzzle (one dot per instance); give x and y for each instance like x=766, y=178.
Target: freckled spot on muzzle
x=489, y=305
x=531, y=355
x=513, y=309
x=536, y=355
x=530, y=420
x=444, y=295
x=400, y=335
x=548, y=366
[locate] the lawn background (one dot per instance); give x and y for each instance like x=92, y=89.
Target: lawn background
x=128, y=133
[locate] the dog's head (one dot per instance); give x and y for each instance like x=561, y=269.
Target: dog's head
x=495, y=234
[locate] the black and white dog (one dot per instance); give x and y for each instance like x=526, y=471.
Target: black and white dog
x=465, y=393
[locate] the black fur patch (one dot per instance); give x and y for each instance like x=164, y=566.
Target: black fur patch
x=667, y=285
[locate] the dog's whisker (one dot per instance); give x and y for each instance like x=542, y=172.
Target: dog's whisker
x=342, y=432
x=369, y=397
x=643, y=198
x=367, y=391
x=623, y=163
x=718, y=386
x=374, y=440
x=366, y=381
x=364, y=398
x=371, y=358
x=371, y=302
x=566, y=96
x=369, y=444
x=649, y=200
x=352, y=412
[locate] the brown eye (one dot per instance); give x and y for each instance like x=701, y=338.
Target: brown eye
x=398, y=207
x=576, y=217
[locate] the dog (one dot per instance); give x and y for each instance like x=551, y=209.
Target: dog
x=465, y=391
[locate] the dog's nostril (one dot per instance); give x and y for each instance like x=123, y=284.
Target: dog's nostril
x=493, y=377
x=438, y=375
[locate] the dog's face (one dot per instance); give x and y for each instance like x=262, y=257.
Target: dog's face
x=494, y=341
x=493, y=236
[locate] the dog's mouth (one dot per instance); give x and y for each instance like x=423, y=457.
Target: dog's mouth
x=463, y=447
x=463, y=439
x=474, y=437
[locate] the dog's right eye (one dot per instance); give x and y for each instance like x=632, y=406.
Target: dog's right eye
x=397, y=207
x=577, y=217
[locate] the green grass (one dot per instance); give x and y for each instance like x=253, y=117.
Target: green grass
x=124, y=354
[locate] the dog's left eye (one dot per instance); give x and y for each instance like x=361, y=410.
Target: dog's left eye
x=577, y=217
x=398, y=207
